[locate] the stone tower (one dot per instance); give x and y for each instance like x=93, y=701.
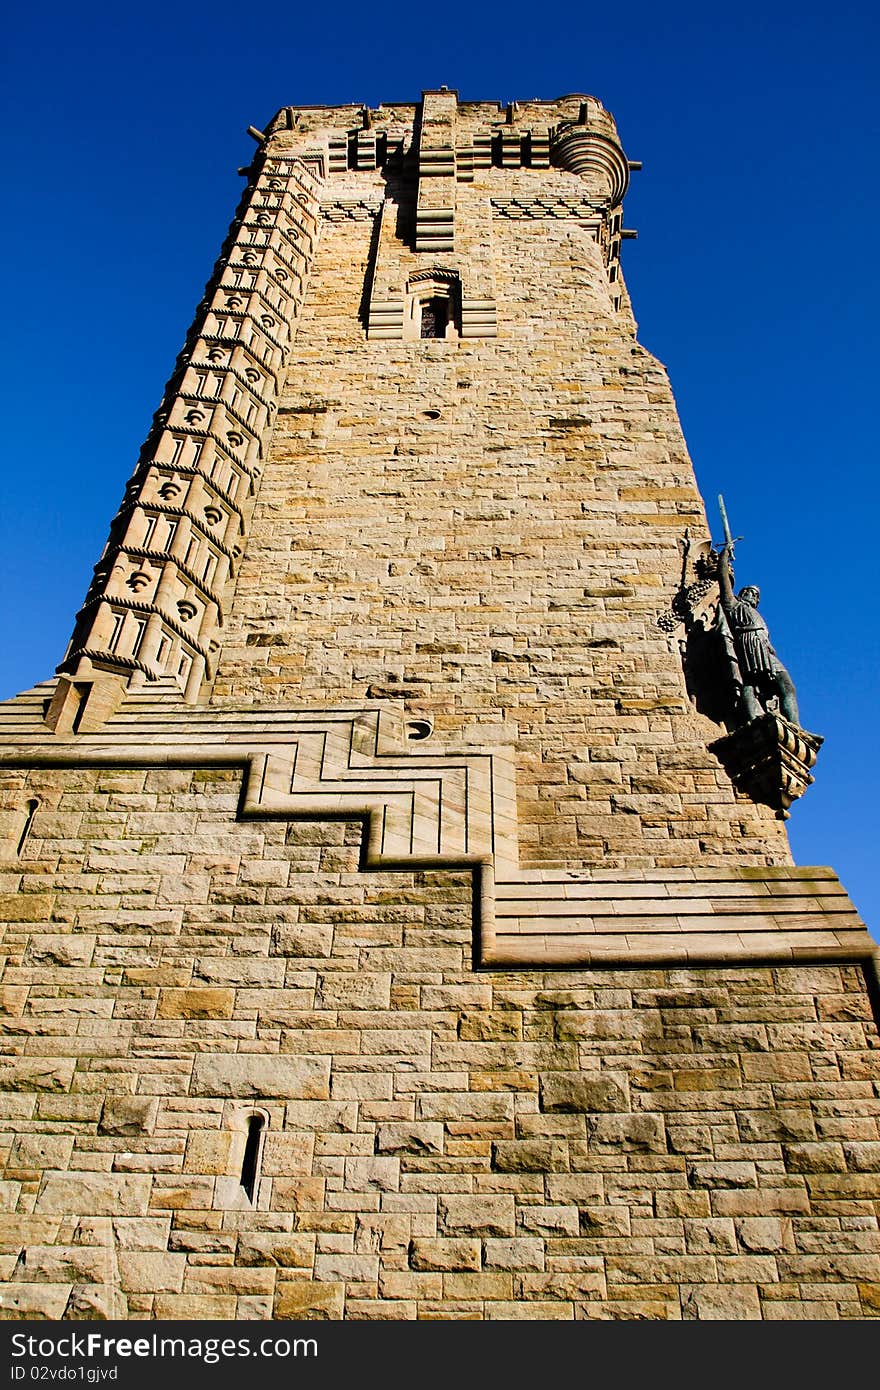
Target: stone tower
x=395, y=922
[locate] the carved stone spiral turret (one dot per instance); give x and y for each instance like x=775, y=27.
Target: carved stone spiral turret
x=582, y=150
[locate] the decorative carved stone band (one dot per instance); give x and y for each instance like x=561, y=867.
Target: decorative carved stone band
x=350, y=209
x=457, y=810
x=580, y=208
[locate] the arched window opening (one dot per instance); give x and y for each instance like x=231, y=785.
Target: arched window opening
x=250, y=1164
x=433, y=304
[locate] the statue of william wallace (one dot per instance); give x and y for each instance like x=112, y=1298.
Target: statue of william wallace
x=757, y=673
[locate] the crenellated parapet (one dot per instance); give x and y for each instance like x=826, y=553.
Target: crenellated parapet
x=440, y=160
x=156, y=601
x=443, y=137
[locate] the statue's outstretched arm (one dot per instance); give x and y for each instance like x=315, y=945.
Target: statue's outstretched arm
x=727, y=595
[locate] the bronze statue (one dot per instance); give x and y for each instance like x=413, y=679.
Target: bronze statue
x=756, y=670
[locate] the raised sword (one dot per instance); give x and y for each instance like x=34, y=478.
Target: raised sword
x=726, y=524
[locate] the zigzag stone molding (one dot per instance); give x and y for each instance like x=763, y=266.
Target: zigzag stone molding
x=353, y=209
x=547, y=207
x=456, y=809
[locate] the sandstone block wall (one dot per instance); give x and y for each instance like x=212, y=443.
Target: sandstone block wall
x=440, y=1142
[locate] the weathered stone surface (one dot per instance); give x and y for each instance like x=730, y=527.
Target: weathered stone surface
x=760, y=1234
x=409, y=1138
x=480, y=1216
x=307, y=1300
x=520, y=1252
x=96, y=1302
x=96, y=1194
x=529, y=1156
x=60, y=1264
x=128, y=1115
x=629, y=1133
x=287, y=1154
x=25, y=907
x=550, y=1220
x=428, y=1253
x=141, y=1233
x=727, y=1174
x=195, y=1003
x=863, y=1157
x=31, y=1153
x=585, y=1282
x=151, y=1271
x=37, y=1074
x=723, y=1303
x=183, y=1307
x=372, y=1174
x=814, y=1158
x=285, y=1251
x=246, y=1074
x=570, y=1092
x=34, y=1302
x=55, y=948
x=208, y=1151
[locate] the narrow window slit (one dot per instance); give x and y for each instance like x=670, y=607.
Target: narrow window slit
x=32, y=807
x=250, y=1165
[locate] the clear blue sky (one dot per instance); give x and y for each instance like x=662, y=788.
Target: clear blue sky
x=754, y=279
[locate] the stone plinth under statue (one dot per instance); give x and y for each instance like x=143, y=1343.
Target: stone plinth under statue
x=770, y=759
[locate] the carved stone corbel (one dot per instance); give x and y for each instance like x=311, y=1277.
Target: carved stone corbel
x=770, y=760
